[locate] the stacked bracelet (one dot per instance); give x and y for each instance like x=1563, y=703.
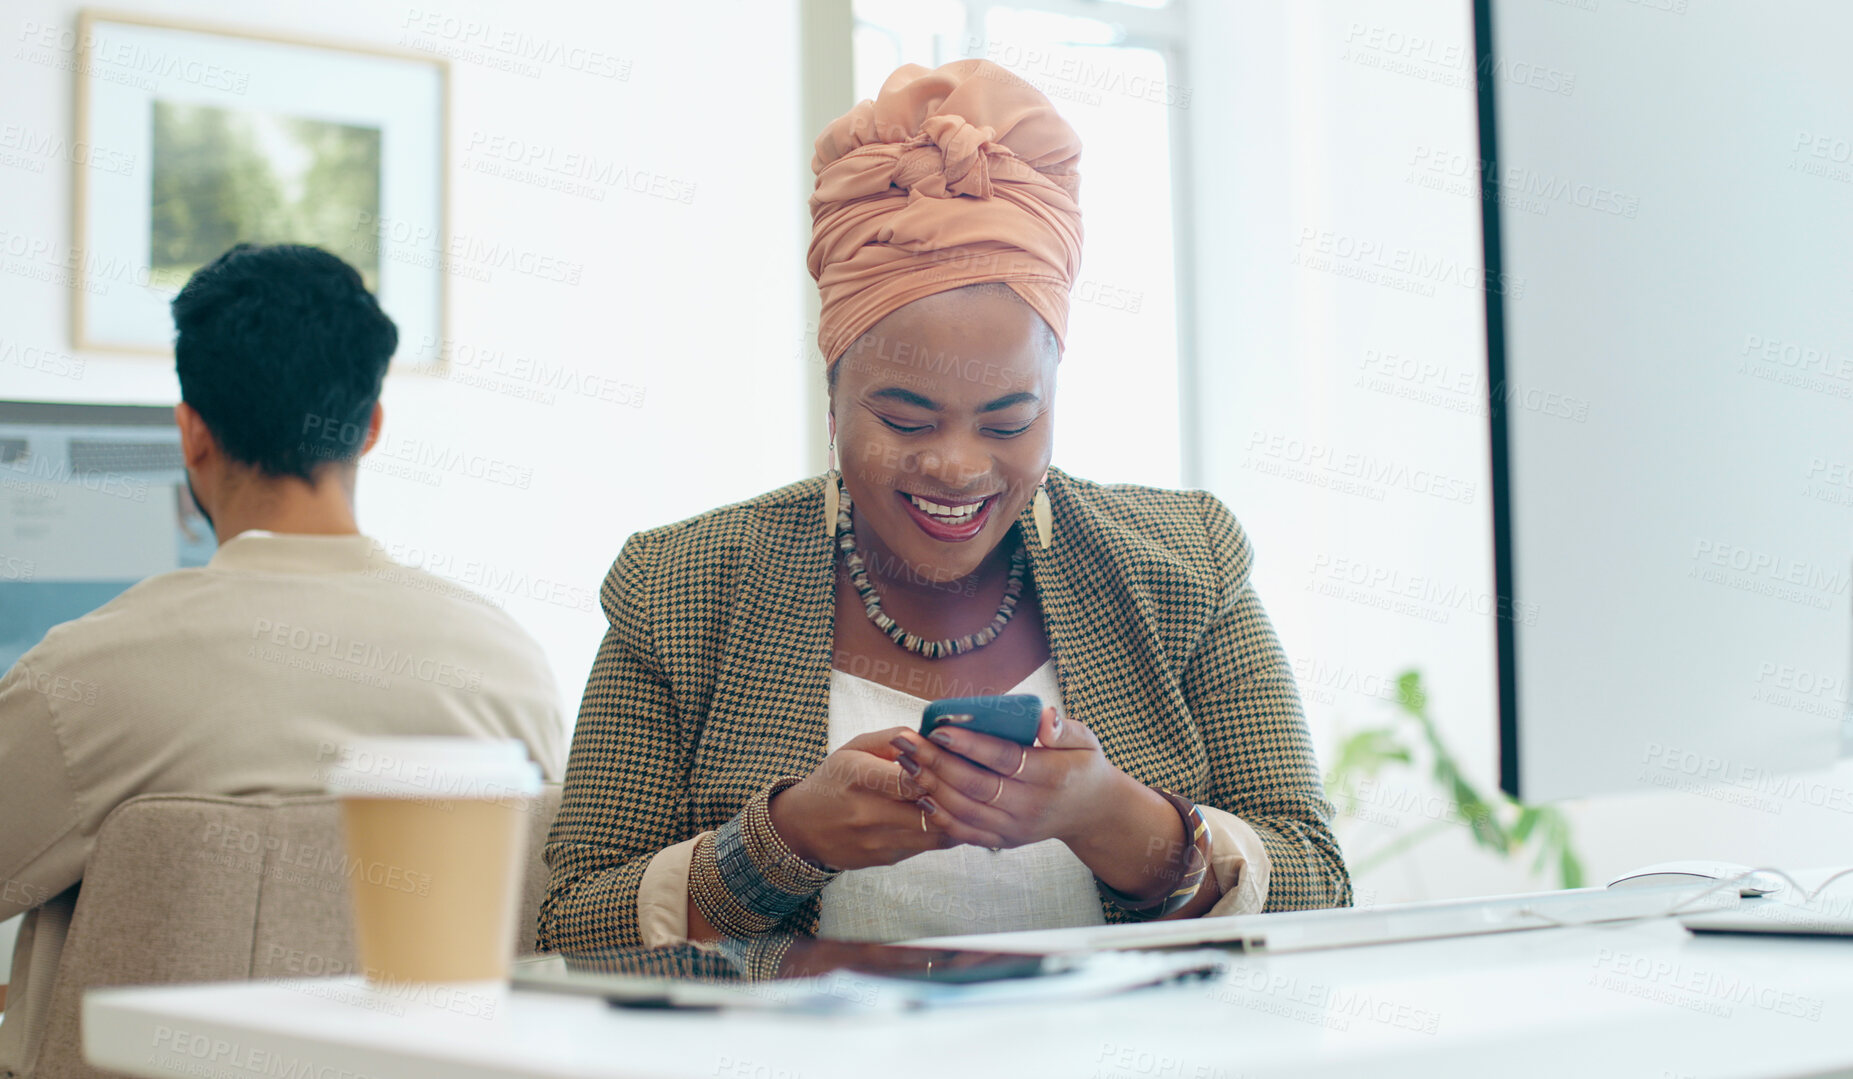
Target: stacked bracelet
x=742, y=876
x=757, y=959
x=1196, y=856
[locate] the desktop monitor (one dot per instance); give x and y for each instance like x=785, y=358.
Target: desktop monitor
x=93, y=498
x=1668, y=212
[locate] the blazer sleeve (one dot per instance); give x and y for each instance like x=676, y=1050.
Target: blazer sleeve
x=1239, y=687
x=625, y=796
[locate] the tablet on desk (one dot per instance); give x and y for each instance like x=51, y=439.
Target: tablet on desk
x=810, y=974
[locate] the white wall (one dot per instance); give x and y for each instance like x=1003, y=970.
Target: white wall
x=1333, y=139
x=696, y=304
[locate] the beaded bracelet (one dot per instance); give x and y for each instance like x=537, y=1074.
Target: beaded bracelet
x=742, y=876
x=1196, y=868
x=758, y=959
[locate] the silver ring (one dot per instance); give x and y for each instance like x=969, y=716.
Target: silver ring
x=923, y=826
x=1021, y=761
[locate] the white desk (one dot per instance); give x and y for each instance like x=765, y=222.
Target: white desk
x=1640, y=999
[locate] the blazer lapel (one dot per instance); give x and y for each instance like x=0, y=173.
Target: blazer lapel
x=770, y=712
x=1108, y=659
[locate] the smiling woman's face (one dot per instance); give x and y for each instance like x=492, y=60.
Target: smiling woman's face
x=944, y=417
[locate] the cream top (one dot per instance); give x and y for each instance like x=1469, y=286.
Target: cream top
x=964, y=889
x=957, y=891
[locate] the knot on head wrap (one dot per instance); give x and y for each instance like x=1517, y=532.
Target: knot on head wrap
x=950, y=177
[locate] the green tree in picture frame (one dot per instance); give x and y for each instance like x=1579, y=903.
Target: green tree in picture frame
x=1501, y=825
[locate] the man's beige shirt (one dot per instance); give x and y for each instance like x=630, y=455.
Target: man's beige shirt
x=239, y=677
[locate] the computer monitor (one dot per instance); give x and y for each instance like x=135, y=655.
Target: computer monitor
x=93, y=498
x=1668, y=211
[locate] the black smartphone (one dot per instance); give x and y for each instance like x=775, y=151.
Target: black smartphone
x=1014, y=717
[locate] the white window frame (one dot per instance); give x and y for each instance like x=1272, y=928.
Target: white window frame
x=1166, y=31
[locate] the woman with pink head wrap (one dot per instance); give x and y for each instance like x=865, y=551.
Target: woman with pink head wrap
x=747, y=760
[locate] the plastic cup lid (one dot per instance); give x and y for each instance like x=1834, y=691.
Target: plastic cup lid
x=434, y=767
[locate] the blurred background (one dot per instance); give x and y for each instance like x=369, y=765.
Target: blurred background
x=1230, y=146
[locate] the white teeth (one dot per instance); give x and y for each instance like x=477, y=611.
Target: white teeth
x=947, y=514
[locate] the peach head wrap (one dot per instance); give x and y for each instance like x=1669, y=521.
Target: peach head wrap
x=951, y=177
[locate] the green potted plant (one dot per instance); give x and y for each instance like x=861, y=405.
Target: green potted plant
x=1507, y=828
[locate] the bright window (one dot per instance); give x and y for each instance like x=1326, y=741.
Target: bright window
x=1119, y=392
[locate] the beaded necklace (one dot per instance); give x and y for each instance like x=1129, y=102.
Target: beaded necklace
x=871, y=599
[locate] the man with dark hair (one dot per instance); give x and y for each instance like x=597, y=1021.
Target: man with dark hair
x=248, y=674
x=281, y=352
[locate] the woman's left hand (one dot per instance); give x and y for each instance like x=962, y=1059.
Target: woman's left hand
x=990, y=792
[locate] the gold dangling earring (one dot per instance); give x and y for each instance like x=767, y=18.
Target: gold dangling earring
x=831, y=491
x=1045, y=518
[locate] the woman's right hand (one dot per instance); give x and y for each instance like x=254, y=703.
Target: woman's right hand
x=854, y=811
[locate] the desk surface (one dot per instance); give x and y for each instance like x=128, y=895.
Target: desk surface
x=1643, y=999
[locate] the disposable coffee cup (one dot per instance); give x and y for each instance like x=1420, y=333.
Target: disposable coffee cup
x=436, y=837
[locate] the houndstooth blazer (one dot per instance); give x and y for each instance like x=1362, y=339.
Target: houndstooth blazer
x=713, y=681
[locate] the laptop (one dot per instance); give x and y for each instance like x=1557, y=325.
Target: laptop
x=1345, y=927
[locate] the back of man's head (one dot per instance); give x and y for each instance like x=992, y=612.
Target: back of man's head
x=282, y=350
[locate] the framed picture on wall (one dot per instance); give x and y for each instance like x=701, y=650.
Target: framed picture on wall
x=241, y=137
